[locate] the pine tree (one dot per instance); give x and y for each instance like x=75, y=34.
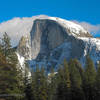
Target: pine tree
x=6, y=45
x=39, y=84
x=64, y=84
x=90, y=75
x=27, y=84
x=9, y=82
x=79, y=67
x=2, y=59
x=67, y=81
x=76, y=81
x=8, y=51
x=51, y=84
x=98, y=83
x=9, y=74
x=81, y=71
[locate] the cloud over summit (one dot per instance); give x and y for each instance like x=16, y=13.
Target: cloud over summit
x=93, y=29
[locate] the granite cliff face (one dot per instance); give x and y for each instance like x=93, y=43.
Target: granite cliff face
x=24, y=47
x=50, y=42
x=45, y=36
x=53, y=39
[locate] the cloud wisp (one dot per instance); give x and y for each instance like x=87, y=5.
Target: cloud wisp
x=18, y=27
x=93, y=29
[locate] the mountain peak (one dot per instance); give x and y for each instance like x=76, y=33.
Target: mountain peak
x=53, y=39
x=18, y=27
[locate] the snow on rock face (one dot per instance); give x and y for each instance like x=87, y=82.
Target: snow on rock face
x=73, y=28
x=54, y=57
x=92, y=47
x=21, y=60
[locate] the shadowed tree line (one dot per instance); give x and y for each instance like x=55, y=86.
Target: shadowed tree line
x=72, y=81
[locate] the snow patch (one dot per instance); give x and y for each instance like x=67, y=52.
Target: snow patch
x=92, y=47
x=21, y=60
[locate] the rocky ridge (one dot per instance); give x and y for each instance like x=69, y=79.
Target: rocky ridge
x=53, y=39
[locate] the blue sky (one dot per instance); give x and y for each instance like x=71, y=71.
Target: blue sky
x=79, y=10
